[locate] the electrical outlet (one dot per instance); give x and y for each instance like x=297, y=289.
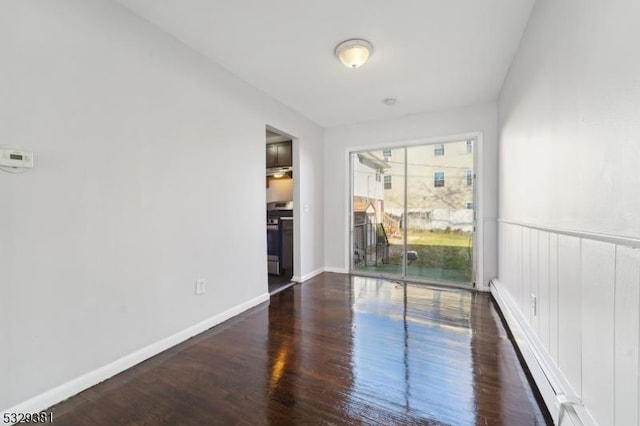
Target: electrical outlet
x=201, y=286
x=534, y=305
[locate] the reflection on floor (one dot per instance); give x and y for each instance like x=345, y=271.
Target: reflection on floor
x=278, y=282
x=333, y=350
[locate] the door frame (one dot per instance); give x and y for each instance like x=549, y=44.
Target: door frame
x=295, y=159
x=478, y=189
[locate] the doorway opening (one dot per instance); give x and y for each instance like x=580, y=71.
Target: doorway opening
x=413, y=212
x=279, y=210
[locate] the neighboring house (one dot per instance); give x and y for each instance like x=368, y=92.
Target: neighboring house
x=368, y=202
x=368, y=186
x=439, y=185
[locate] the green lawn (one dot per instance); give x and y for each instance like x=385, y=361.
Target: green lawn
x=445, y=256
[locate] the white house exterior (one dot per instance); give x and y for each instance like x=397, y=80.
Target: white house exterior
x=439, y=189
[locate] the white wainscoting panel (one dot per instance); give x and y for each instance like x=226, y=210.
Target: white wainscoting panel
x=569, y=311
x=585, y=334
x=534, y=288
x=514, y=263
x=525, y=291
x=553, y=297
x=503, y=249
x=543, y=288
x=627, y=327
x=598, y=276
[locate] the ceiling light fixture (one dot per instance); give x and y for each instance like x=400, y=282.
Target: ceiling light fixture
x=354, y=53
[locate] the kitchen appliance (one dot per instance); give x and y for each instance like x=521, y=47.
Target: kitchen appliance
x=280, y=237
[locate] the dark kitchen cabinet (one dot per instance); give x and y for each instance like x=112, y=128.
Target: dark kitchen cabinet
x=287, y=245
x=279, y=154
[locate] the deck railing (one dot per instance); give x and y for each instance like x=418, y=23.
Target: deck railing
x=370, y=244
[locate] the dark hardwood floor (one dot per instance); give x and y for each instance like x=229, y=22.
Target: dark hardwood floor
x=334, y=350
x=276, y=282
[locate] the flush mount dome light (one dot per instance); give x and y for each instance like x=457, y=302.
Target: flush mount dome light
x=354, y=53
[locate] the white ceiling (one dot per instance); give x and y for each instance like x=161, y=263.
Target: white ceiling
x=429, y=54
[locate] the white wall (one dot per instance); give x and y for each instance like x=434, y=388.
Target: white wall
x=569, y=125
x=338, y=140
x=569, y=119
x=149, y=173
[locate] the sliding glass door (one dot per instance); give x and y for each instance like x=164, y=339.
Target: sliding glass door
x=377, y=208
x=412, y=212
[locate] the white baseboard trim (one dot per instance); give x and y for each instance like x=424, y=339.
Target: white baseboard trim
x=92, y=378
x=336, y=270
x=308, y=276
x=318, y=272
x=552, y=384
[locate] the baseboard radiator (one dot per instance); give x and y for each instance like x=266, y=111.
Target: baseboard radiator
x=563, y=404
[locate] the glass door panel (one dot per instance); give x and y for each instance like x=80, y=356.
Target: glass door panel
x=377, y=208
x=440, y=219
x=412, y=212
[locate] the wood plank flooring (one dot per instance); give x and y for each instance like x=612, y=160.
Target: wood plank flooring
x=334, y=350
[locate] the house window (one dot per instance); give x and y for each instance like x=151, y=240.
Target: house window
x=469, y=147
x=469, y=176
x=387, y=182
x=386, y=153
x=438, y=179
x=438, y=149
x=469, y=205
x=378, y=174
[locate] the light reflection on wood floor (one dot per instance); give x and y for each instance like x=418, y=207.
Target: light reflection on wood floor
x=334, y=350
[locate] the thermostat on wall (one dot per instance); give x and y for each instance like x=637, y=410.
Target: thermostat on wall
x=17, y=158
